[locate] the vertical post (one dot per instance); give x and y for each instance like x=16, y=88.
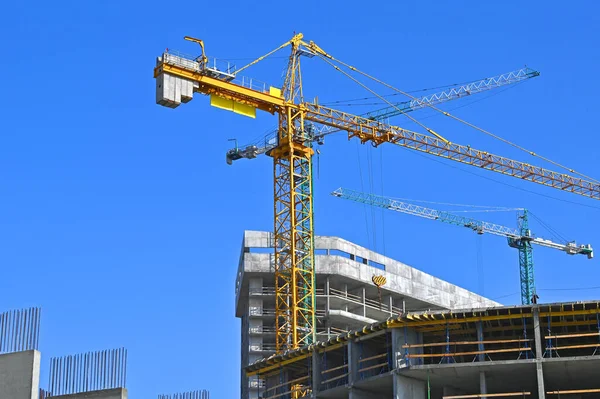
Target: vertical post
x=482, y=384
x=353, y=357
x=538, y=352
x=364, y=301
x=549, y=342
x=316, y=373
x=447, y=343
x=428, y=386
x=406, y=358
x=346, y=295
x=526, y=344
x=328, y=303
x=480, y=345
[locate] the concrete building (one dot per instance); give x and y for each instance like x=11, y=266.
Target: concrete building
x=530, y=351
x=346, y=297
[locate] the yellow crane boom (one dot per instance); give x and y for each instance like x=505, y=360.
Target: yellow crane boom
x=178, y=77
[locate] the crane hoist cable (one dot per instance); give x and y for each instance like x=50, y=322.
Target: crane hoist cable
x=322, y=53
x=381, y=97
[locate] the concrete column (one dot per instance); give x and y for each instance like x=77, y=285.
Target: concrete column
x=20, y=375
x=353, y=358
x=316, y=373
x=538, y=353
x=397, y=350
x=480, y=345
x=409, y=388
x=482, y=384
x=403, y=306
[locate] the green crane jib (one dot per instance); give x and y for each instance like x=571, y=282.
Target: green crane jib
x=520, y=238
x=465, y=90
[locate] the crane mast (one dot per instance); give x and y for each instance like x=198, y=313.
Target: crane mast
x=520, y=238
x=523, y=245
x=294, y=241
x=178, y=77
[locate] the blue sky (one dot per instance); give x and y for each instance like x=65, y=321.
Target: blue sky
x=122, y=220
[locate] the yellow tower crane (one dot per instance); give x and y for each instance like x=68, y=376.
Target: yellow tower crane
x=178, y=77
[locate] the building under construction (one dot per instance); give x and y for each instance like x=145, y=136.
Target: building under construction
x=346, y=297
x=529, y=351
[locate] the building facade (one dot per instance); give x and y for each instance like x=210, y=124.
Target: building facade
x=346, y=297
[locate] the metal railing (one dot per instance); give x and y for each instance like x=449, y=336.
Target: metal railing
x=371, y=303
x=215, y=67
x=262, y=347
x=262, y=330
x=256, y=383
x=258, y=311
x=262, y=291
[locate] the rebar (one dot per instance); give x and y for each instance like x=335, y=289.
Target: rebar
x=86, y=372
x=201, y=394
x=19, y=330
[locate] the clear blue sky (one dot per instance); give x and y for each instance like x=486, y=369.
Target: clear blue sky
x=122, y=220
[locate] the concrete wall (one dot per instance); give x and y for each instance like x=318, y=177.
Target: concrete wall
x=20, y=375
x=117, y=393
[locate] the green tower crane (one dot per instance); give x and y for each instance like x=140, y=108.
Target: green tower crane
x=520, y=238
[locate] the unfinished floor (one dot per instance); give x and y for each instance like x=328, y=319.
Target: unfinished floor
x=534, y=351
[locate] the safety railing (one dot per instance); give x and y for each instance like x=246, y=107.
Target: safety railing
x=214, y=67
x=258, y=311
x=262, y=347
x=372, y=304
x=262, y=330
x=262, y=291
x=554, y=346
x=374, y=365
x=490, y=395
x=295, y=388
x=334, y=376
x=461, y=351
x=256, y=383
